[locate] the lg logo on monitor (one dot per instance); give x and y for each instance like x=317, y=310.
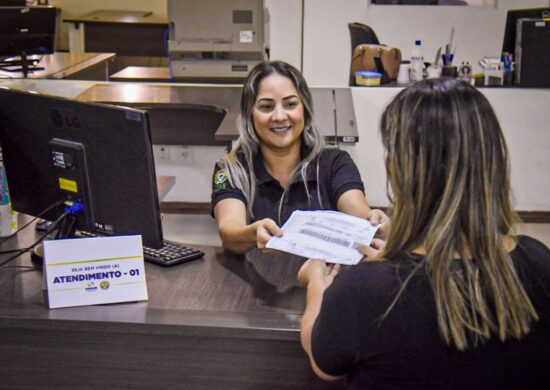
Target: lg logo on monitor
x=64, y=120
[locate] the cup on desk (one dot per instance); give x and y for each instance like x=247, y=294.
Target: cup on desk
x=403, y=75
x=8, y=220
x=434, y=71
x=449, y=71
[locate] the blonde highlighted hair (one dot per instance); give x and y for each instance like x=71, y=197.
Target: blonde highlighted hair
x=239, y=163
x=448, y=169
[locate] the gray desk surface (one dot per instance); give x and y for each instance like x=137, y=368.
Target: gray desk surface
x=253, y=292
x=224, y=321
x=63, y=65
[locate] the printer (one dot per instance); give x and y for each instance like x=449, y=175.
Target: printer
x=215, y=40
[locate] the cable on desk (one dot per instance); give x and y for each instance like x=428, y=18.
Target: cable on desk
x=4, y=239
x=50, y=229
x=22, y=267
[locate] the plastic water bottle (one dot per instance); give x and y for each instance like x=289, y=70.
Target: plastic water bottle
x=417, y=62
x=8, y=217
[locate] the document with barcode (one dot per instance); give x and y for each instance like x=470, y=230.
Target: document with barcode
x=323, y=234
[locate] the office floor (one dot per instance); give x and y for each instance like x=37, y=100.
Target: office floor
x=201, y=229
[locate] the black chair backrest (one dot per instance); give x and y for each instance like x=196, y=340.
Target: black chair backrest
x=360, y=33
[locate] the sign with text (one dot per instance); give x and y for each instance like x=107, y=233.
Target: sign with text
x=90, y=271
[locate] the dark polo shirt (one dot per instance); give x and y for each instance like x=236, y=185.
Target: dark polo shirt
x=337, y=174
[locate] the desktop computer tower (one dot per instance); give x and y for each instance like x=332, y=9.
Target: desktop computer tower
x=13, y=3
x=532, y=53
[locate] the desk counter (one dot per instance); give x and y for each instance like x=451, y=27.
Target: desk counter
x=127, y=33
x=334, y=110
x=117, y=16
x=75, y=66
x=224, y=321
x=143, y=73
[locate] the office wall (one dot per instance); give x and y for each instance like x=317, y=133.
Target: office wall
x=478, y=32
x=285, y=30
x=522, y=116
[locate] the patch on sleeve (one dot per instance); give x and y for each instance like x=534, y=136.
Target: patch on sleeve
x=220, y=180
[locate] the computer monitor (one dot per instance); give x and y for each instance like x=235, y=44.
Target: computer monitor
x=14, y=3
x=25, y=32
x=98, y=155
x=509, y=41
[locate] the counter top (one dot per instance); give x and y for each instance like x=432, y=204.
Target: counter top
x=333, y=105
x=118, y=16
x=224, y=321
x=220, y=291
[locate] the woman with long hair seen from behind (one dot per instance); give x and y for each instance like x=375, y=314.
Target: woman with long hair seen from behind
x=452, y=299
x=280, y=164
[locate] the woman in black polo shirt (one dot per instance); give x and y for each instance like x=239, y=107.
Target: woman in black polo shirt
x=280, y=163
x=455, y=300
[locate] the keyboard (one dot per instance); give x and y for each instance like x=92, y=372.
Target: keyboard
x=170, y=254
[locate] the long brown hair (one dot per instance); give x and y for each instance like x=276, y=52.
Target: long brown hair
x=248, y=145
x=448, y=168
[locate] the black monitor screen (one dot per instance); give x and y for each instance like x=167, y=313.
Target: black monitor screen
x=16, y=3
x=26, y=31
x=509, y=42
x=97, y=155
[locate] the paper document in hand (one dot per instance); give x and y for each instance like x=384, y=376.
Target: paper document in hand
x=323, y=234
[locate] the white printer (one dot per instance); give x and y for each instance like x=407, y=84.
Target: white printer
x=215, y=40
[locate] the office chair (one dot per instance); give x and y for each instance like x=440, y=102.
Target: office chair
x=359, y=34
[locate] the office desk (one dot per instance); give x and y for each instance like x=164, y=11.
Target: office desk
x=126, y=33
x=179, y=115
x=162, y=74
x=74, y=66
x=143, y=73
x=164, y=185
x=222, y=322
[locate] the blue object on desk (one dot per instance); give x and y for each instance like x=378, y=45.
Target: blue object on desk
x=368, y=78
x=447, y=61
x=507, y=60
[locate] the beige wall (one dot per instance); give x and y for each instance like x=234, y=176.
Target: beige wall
x=522, y=113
